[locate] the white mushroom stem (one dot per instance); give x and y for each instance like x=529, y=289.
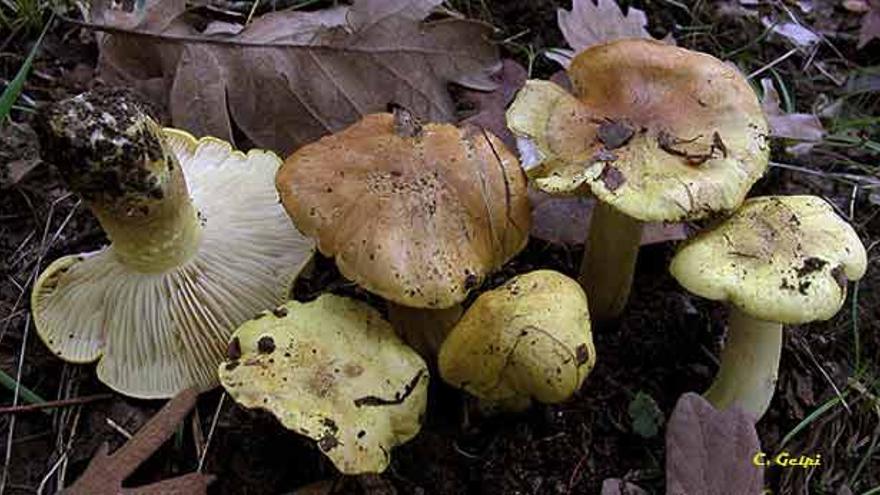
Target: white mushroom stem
x=424, y=329
x=609, y=262
x=749, y=364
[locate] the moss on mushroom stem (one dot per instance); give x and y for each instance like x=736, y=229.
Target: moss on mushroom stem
x=749, y=364
x=114, y=155
x=424, y=329
x=609, y=262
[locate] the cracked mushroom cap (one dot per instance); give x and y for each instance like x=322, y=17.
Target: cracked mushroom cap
x=158, y=329
x=778, y=258
x=661, y=133
x=528, y=339
x=419, y=219
x=334, y=371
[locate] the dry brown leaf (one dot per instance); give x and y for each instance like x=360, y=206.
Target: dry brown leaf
x=798, y=126
x=566, y=220
x=870, y=24
x=290, y=77
x=590, y=22
x=617, y=486
x=711, y=452
x=490, y=106
x=106, y=472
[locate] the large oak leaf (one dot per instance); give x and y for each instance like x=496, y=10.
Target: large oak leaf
x=290, y=77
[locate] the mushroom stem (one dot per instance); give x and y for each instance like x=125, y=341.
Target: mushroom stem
x=749, y=363
x=115, y=156
x=609, y=261
x=424, y=329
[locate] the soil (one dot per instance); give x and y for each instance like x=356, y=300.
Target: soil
x=666, y=343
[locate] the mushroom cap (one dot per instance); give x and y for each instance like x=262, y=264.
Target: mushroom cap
x=529, y=338
x=659, y=132
x=332, y=370
x=778, y=258
x=158, y=333
x=418, y=220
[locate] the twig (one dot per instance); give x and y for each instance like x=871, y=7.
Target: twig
x=772, y=64
x=211, y=432
x=54, y=404
x=119, y=429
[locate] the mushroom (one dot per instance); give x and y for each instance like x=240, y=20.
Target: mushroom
x=334, y=371
x=528, y=339
x=656, y=132
x=778, y=260
x=199, y=244
x=416, y=214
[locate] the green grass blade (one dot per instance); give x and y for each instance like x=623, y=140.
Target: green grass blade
x=10, y=94
x=23, y=392
x=812, y=417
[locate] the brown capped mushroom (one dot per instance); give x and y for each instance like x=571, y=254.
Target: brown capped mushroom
x=417, y=214
x=656, y=132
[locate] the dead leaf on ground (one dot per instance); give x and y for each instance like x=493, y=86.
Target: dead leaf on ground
x=590, y=22
x=490, y=107
x=804, y=127
x=291, y=77
x=106, y=472
x=870, y=24
x=711, y=452
x=617, y=486
x=566, y=220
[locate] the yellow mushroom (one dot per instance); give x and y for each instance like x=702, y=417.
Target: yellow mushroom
x=332, y=370
x=778, y=260
x=528, y=339
x=655, y=132
x=416, y=214
x=199, y=244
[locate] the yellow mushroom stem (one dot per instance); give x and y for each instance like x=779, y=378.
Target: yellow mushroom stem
x=609, y=262
x=749, y=364
x=164, y=234
x=424, y=329
x=115, y=156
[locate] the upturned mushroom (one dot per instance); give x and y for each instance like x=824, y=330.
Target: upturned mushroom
x=528, y=339
x=778, y=260
x=199, y=244
x=332, y=370
x=655, y=132
x=416, y=214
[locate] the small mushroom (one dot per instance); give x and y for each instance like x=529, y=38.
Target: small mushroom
x=199, y=244
x=778, y=260
x=528, y=339
x=334, y=371
x=656, y=132
x=416, y=214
